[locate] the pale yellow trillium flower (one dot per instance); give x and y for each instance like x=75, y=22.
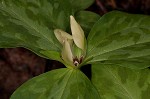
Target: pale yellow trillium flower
x=73, y=50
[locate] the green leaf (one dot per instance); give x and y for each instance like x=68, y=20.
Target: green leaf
x=122, y=39
x=75, y=5
x=52, y=55
x=115, y=82
x=87, y=19
x=30, y=23
x=57, y=84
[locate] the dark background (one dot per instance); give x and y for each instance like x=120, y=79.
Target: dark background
x=17, y=65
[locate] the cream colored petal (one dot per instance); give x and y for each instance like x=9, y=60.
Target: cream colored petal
x=62, y=35
x=67, y=55
x=77, y=33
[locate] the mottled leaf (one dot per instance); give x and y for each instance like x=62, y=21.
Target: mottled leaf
x=115, y=82
x=30, y=23
x=57, y=84
x=87, y=19
x=52, y=55
x=122, y=39
x=75, y=5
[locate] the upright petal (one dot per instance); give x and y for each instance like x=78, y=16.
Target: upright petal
x=77, y=33
x=62, y=35
x=67, y=55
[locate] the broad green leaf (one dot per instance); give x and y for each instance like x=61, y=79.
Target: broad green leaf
x=87, y=19
x=30, y=23
x=52, y=55
x=57, y=84
x=115, y=82
x=75, y=5
x=122, y=39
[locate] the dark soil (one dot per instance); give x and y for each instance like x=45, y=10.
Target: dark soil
x=17, y=65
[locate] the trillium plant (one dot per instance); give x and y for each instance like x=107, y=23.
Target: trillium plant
x=74, y=47
x=116, y=45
